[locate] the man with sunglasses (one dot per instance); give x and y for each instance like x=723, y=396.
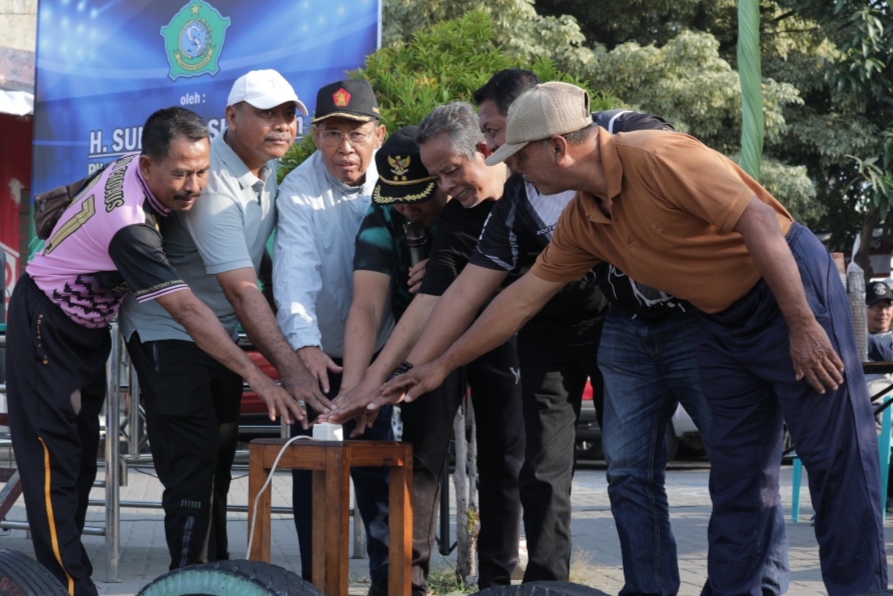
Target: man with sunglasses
x=321, y=206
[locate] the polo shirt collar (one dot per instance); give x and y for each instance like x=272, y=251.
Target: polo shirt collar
x=235, y=164
x=612, y=169
x=152, y=200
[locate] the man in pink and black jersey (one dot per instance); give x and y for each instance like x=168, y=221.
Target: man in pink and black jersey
x=106, y=244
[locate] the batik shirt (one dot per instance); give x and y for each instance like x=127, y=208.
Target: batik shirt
x=106, y=244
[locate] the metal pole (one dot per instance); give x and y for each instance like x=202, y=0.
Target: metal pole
x=23, y=525
x=134, y=422
x=444, y=542
x=112, y=445
x=750, y=74
x=359, y=531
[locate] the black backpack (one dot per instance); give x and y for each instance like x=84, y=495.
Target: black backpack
x=49, y=205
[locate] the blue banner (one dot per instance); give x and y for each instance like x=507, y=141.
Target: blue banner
x=103, y=66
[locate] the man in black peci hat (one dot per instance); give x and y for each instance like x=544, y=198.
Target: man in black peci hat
x=406, y=203
x=321, y=205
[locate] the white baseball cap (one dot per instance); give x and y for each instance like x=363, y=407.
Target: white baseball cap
x=264, y=89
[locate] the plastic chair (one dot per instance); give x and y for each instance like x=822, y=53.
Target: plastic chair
x=883, y=449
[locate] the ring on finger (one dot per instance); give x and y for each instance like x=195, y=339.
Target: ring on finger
x=301, y=403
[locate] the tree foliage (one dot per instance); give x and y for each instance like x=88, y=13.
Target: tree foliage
x=826, y=87
x=827, y=68
x=440, y=63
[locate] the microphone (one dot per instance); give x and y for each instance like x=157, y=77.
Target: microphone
x=415, y=240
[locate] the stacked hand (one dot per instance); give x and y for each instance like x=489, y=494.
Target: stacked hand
x=405, y=387
x=319, y=365
x=411, y=385
x=352, y=403
x=278, y=400
x=305, y=390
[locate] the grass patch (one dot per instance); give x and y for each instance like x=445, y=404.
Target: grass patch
x=444, y=581
x=584, y=571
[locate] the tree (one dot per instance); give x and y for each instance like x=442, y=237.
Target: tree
x=438, y=64
x=826, y=80
x=649, y=55
x=860, y=81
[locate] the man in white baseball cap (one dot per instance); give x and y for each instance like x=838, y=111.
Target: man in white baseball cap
x=265, y=128
x=264, y=89
x=192, y=402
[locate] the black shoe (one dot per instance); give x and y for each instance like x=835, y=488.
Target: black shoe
x=379, y=587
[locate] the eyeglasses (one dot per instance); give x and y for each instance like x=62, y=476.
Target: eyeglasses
x=334, y=138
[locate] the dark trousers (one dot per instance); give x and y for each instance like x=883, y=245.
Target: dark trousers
x=551, y=395
x=192, y=414
x=428, y=425
x=370, y=487
x=748, y=380
x=55, y=388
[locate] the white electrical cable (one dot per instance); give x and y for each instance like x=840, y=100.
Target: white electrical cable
x=264, y=487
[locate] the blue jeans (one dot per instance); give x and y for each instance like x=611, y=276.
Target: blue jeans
x=649, y=368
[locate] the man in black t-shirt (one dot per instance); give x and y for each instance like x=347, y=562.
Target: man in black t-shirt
x=557, y=350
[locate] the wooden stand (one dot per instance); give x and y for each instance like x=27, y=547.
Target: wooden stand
x=330, y=462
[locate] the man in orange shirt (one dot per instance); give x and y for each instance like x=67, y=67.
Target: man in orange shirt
x=682, y=218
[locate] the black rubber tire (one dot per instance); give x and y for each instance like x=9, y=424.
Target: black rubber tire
x=543, y=589
x=231, y=578
x=20, y=575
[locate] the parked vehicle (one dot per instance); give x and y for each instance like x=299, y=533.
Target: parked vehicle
x=589, y=434
x=254, y=419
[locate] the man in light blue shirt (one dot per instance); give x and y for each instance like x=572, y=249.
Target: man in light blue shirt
x=321, y=206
